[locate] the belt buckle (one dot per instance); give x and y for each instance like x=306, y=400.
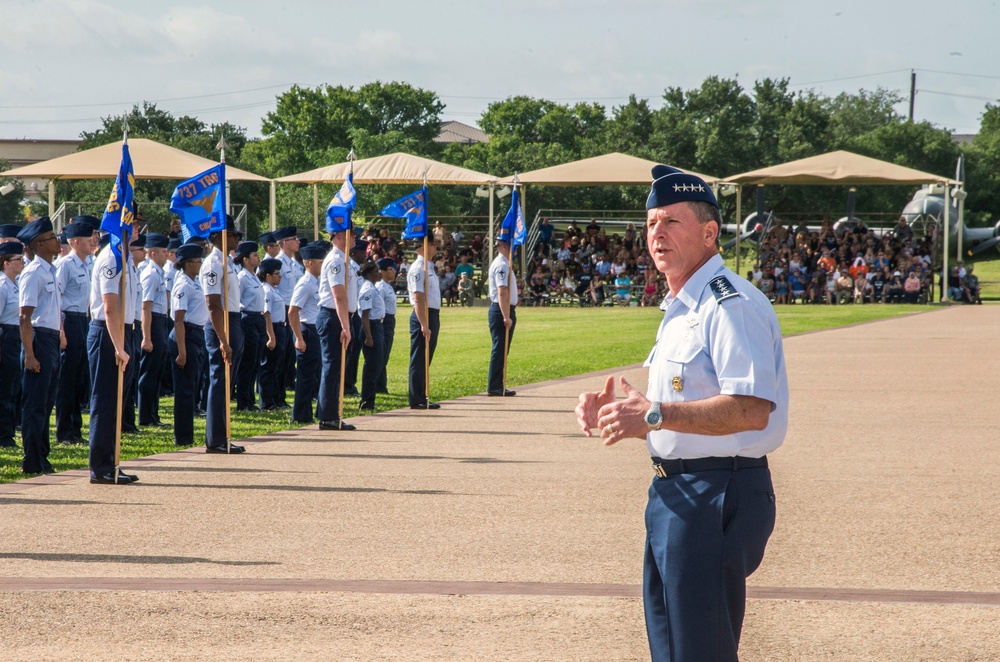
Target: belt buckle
x=659, y=470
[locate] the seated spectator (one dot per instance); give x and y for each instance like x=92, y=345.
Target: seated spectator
x=830, y=285
x=894, y=288
x=567, y=286
x=476, y=246
x=858, y=268
x=438, y=233
x=449, y=291
x=466, y=290
x=563, y=253
x=781, y=289
x=845, y=288
x=464, y=267
x=650, y=291
x=970, y=286
x=596, y=290
x=796, y=287
x=767, y=284
x=862, y=290
x=816, y=287
x=911, y=288
x=456, y=237
x=752, y=278
x=602, y=266
x=584, y=279
x=623, y=290
x=545, y=232
x=879, y=280
x=539, y=287
x=955, y=285
x=593, y=228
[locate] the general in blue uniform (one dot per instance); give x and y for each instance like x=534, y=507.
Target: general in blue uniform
x=11, y=264
x=40, y=325
x=716, y=404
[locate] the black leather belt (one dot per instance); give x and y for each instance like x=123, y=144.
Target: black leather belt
x=665, y=468
x=196, y=327
x=74, y=314
x=252, y=313
x=42, y=331
x=10, y=327
x=158, y=316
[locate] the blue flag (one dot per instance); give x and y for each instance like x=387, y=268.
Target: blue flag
x=513, y=230
x=119, y=215
x=201, y=203
x=413, y=208
x=338, y=213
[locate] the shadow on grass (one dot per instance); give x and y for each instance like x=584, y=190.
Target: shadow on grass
x=120, y=558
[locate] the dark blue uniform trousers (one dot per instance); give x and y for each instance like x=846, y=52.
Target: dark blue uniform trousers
x=497, y=327
x=185, y=381
x=151, y=370
x=130, y=391
x=373, y=363
x=388, y=332
x=254, y=337
x=328, y=401
x=201, y=392
x=418, y=377
x=307, y=365
x=37, y=408
x=215, y=414
x=353, y=353
x=72, y=365
x=10, y=380
x=290, y=355
x=272, y=368
x=705, y=534
x=104, y=412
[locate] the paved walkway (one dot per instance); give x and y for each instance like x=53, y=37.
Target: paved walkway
x=492, y=530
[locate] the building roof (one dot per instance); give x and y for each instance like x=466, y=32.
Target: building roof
x=457, y=132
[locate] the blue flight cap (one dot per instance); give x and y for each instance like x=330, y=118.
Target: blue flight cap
x=63, y=241
x=174, y=244
x=9, y=231
x=239, y=235
x=269, y=265
x=386, y=263
x=671, y=186
x=360, y=245
x=287, y=232
x=138, y=242
x=266, y=238
x=246, y=248
x=313, y=251
x=156, y=240
x=12, y=248
x=230, y=226
x=35, y=229
x=77, y=230
x=189, y=252
x=92, y=221
x=303, y=240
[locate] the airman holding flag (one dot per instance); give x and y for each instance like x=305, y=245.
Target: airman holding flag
x=504, y=297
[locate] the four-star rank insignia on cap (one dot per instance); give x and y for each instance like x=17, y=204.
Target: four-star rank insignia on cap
x=722, y=289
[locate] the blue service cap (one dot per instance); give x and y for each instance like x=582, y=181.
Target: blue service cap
x=12, y=248
x=671, y=186
x=189, y=252
x=266, y=238
x=138, y=242
x=386, y=263
x=287, y=232
x=269, y=265
x=313, y=251
x=77, y=230
x=9, y=231
x=156, y=240
x=35, y=229
x=246, y=248
x=174, y=244
x=92, y=221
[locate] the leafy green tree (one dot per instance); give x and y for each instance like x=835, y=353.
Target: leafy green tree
x=11, y=210
x=982, y=170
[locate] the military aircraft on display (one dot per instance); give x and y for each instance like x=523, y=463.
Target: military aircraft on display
x=927, y=208
x=751, y=230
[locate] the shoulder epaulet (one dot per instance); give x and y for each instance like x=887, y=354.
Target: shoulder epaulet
x=722, y=289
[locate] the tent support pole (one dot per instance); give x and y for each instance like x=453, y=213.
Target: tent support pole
x=274, y=207
x=489, y=237
x=739, y=224
x=315, y=212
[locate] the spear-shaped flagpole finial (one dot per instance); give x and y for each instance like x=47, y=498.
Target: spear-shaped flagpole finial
x=125, y=129
x=425, y=174
x=221, y=146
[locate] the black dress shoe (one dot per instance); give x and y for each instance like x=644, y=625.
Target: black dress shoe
x=500, y=394
x=426, y=405
x=351, y=391
x=156, y=424
x=8, y=444
x=109, y=479
x=367, y=406
x=335, y=425
x=183, y=444
x=130, y=429
x=233, y=449
x=132, y=478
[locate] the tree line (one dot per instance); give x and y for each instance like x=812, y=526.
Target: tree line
x=720, y=128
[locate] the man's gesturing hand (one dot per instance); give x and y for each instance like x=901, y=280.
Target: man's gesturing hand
x=623, y=419
x=591, y=403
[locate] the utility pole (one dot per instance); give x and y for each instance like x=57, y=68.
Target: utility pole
x=913, y=90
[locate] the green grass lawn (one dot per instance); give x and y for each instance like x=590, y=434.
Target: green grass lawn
x=549, y=343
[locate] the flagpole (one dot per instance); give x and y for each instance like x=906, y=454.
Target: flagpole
x=119, y=410
x=225, y=300
x=511, y=283
x=347, y=279
x=427, y=312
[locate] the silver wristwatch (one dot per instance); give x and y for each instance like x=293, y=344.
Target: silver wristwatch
x=654, y=418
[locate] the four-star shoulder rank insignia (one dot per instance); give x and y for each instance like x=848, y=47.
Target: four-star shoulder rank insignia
x=722, y=289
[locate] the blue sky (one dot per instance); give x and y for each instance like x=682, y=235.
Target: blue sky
x=70, y=62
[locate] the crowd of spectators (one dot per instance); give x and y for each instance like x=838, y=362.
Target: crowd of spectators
x=590, y=267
